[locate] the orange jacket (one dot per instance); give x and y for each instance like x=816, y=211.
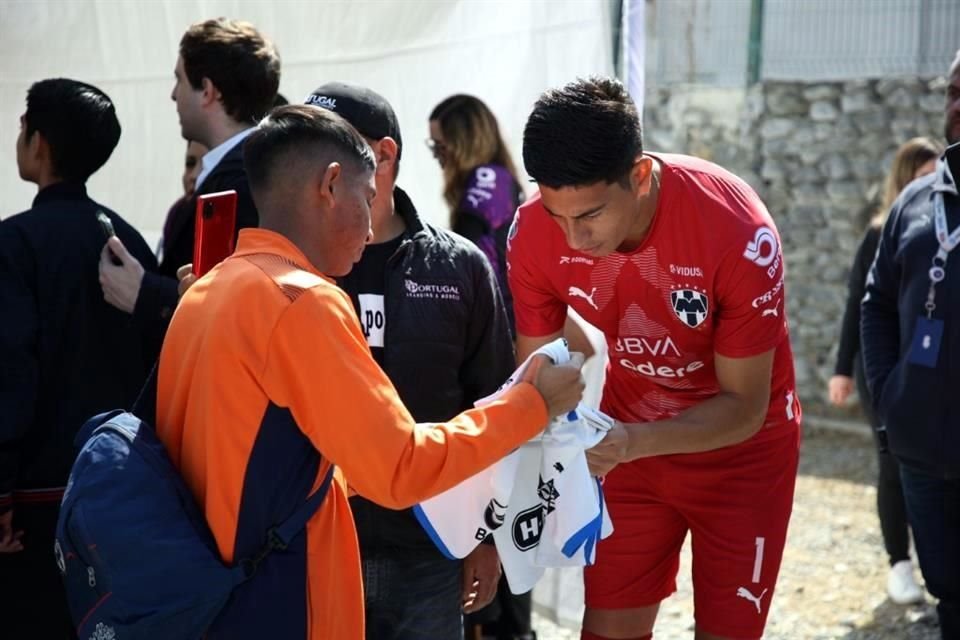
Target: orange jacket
x=265, y=365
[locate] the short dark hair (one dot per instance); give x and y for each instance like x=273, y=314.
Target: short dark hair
x=242, y=64
x=300, y=128
x=582, y=133
x=77, y=120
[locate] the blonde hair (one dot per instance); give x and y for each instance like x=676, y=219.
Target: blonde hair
x=471, y=137
x=911, y=155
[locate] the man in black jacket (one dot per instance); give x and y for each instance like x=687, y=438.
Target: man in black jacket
x=65, y=354
x=910, y=338
x=429, y=305
x=227, y=76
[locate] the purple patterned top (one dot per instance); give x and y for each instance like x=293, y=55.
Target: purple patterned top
x=492, y=196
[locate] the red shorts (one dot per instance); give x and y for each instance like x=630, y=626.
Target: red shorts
x=736, y=503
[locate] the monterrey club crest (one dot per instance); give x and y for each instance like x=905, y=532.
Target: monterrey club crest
x=690, y=306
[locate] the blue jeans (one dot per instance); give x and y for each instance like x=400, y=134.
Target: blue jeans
x=412, y=595
x=933, y=506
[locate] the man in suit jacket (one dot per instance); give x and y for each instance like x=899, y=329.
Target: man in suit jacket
x=227, y=76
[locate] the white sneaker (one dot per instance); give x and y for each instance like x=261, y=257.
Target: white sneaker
x=901, y=586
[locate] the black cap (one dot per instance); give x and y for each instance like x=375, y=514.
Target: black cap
x=366, y=110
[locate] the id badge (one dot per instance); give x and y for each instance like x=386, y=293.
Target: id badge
x=926, y=342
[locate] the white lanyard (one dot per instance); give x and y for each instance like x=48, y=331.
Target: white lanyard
x=947, y=242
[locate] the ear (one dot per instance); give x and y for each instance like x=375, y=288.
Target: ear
x=330, y=182
x=32, y=141
x=386, y=153
x=210, y=92
x=39, y=149
x=641, y=176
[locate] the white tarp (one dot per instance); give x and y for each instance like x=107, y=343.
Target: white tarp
x=414, y=52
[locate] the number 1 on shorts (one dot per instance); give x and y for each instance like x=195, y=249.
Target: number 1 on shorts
x=758, y=560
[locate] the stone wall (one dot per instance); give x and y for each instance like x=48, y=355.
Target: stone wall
x=817, y=155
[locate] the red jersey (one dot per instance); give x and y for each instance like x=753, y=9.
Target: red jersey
x=708, y=279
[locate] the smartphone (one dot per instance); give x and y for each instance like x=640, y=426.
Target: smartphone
x=214, y=234
x=106, y=225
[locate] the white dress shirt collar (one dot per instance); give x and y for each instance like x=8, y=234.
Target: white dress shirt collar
x=213, y=157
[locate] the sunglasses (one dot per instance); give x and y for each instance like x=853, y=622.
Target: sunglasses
x=435, y=147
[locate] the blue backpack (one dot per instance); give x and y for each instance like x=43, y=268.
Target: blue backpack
x=138, y=559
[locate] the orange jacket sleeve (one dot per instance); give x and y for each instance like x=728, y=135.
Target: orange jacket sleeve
x=319, y=366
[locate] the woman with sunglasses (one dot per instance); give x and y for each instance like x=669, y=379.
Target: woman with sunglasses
x=480, y=182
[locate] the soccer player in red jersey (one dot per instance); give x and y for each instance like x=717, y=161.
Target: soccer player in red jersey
x=678, y=262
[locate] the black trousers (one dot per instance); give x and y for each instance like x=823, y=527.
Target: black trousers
x=892, y=510
x=33, y=603
x=934, y=507
x=891, y=507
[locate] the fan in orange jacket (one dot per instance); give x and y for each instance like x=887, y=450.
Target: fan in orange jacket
x=265, y=369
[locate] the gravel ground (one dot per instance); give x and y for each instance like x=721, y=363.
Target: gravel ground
x=833, y=580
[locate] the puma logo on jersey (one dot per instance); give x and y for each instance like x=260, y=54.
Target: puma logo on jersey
x=742, y=592
x=772, y=311
x=577, y=292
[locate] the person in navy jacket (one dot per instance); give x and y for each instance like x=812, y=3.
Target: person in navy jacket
x=65, y=354
x=910, y=339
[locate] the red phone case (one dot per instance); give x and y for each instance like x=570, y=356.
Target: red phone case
x=214, y=234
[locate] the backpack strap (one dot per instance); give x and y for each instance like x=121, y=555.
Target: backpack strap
x=145, y=406
x=286, y=531
x=280, y=536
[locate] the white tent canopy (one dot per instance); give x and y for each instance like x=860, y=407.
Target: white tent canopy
x=414, y=52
